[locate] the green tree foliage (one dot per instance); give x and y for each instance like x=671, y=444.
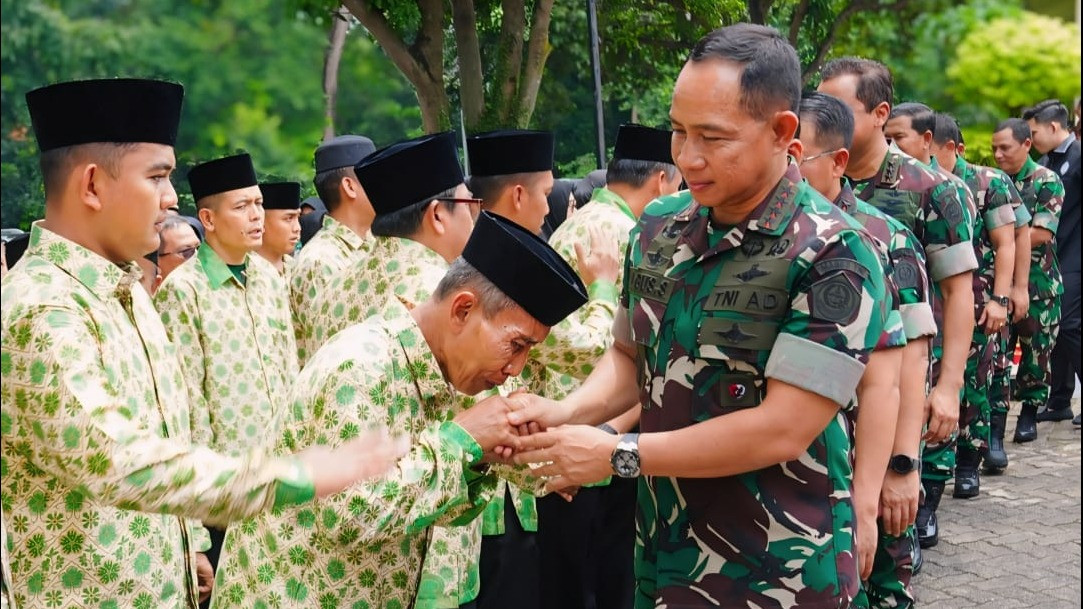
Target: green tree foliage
x=1009, y=64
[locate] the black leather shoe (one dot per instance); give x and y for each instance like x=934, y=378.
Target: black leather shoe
x=1076, y=422
x=1054, y=414
x=1026, y=426
x=996, y=458
x=916, y=559
x=927, y=527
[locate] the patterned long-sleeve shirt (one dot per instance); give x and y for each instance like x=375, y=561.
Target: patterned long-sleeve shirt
x=97, y=458
x=364, y=547
x=334, y=248
x=1043, y=195
x=236, y=347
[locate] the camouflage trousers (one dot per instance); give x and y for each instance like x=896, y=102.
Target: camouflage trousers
x=888, y=585
x=938, y=460
x=1035, y=334
x=974, y=408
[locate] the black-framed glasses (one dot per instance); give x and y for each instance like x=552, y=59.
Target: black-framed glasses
x=185, y=253
x=816, y=156
x=473, y=202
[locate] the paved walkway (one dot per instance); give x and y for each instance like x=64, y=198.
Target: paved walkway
x=1017, y=545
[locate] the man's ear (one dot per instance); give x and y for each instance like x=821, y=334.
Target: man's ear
x=463, y=304
x=206, y=218
x=840, y=160
x=784, y=126
x=436, y=216
x=880, y=114
x=91, y=183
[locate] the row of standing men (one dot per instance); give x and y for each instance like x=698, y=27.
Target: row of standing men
x=788, y=293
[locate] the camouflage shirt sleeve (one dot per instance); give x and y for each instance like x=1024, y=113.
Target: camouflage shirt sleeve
x=1049, y=193
x=836, y=318
x=949, y=231
x=908, y=260
x=999, y=209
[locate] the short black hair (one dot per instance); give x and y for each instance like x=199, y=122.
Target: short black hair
x=833, y=119
x=771, y=72
x=946, y=130
x=1020, y=129
x=489, y=188
x=405, y=222
x=874, y=82
x=55, y=164
x=635, y=172
x=922, y=117
x=327, y=185
x=1048, y=111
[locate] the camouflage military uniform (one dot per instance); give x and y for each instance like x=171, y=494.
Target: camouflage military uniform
x=1043, y=195
x=997, y=199
x=796, y=293
x=908, y=275
x=363, y=547
x=323, y=258
x=931, y=208
x=999, y=397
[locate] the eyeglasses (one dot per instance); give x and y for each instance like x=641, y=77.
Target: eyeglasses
x=473, y=202
x=816, y=156
x=185, y=253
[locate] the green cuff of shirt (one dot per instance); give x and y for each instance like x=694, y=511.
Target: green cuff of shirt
x=999, y=216
x=1046, y=220
x=814, y=367
x=1022, y=216
x=918, y=320
x=294, y=486
x=604, y=290
x=952, y=260
x=452, y=433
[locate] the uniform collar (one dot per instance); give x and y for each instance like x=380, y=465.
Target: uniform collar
x=401, y=248
x=847, y=200
x=1028, y=168
x=100, y=276
x=215, y=268
x=960, y=167
x=604, y=195
x=1065, y=144
x=343, y=233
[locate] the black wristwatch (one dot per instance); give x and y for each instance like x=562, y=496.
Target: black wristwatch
x=625, y=459
x=1003, y=301
x=902, y=464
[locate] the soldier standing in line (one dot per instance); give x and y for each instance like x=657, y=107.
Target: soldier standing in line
x=749, y=312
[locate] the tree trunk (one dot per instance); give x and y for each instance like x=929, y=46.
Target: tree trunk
x=336, y=42
x=472, y=86
x=537, y=53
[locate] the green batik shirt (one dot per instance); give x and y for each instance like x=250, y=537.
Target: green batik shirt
x=236, y=347
x=95, y=426
x=1043, y=195
x=996, y=198
x=795, y=292
x=911, y=314
x=391, y=267
x=6, y=600
x=363, y=547
x=334, y=248
x=927, y=204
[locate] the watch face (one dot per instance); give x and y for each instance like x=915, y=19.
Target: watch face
x=626, y=463
x=902, y=464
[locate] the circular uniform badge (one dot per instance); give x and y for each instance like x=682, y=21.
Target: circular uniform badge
x=952, y=208
x=906, y=273
x=835, y=299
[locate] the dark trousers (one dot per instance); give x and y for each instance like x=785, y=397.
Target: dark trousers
x=587, y=548
x=509, y=566
x=217, y=537
x=1066, y=352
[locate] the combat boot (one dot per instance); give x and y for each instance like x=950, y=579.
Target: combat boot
x=916, y=559
x=1064, y=413
x=1026, y=426
x=926, y=524
x=967, y=480
x=996, y=458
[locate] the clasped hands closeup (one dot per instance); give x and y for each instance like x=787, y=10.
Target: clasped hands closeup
x=527, y=429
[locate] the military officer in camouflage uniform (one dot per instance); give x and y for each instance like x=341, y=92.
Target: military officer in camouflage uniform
x=408, y=370
x=281, y=225
x=749, y=311
x=885, y=436
x=95, y=419
x=994, y=245
x=341, y=240
x=1043, y=195
x=586, y=545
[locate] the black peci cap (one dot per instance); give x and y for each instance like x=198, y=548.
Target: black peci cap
x=343, y=151
x=525, y=268
x=509, y=151
x=222, y=175
x=120, y=110
x=639, y=143
x=281, y=195
x=410, y=172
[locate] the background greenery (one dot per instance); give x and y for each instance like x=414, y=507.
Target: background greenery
x=253, y=69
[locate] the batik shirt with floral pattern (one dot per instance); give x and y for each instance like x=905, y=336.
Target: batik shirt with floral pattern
x=236, y=347
x=95, y=426
x=365, y=546
x=330, y=252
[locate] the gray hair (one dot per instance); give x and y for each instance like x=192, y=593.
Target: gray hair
x=461, y=275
